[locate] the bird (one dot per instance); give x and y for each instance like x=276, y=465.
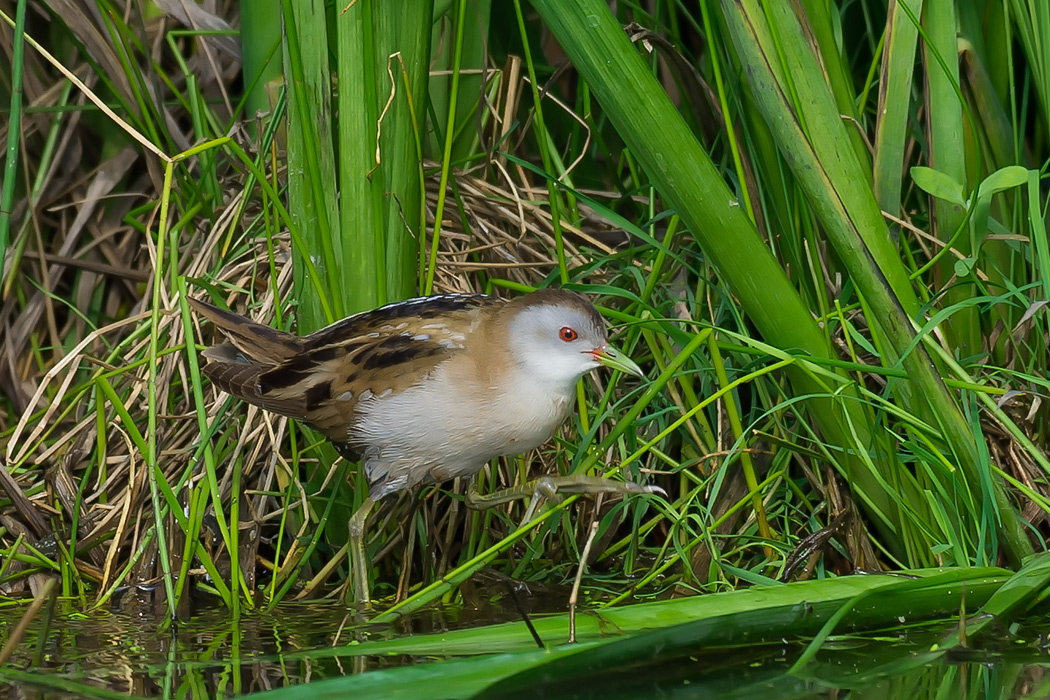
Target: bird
x=425, y=390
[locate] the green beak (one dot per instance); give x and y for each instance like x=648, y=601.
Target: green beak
x=613, y=358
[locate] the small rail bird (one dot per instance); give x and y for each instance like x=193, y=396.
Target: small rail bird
x=425, y=390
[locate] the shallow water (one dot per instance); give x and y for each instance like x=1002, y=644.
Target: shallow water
x=210, y=657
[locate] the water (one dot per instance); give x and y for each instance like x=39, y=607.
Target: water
x=210, y=657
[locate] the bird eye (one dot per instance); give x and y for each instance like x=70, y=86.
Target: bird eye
x=568, y=334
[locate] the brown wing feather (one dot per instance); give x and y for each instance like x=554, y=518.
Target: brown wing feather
x=242, y=380
x=322, y=377
x=376, y=353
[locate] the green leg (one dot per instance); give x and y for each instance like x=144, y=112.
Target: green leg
x=358, y=559
x=551, y=487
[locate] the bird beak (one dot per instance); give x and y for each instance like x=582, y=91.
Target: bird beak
x=613, y=358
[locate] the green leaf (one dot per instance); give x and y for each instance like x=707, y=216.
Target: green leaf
x=964, y=266
x=1002, y=179
x=507, y=663
x=938, y=184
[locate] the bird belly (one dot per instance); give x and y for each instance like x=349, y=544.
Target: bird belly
x=430, y=433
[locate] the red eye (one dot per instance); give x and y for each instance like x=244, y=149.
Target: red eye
x=568, y=334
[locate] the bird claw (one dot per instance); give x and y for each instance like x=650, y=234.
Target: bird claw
x=652, y=489
x=546, y=487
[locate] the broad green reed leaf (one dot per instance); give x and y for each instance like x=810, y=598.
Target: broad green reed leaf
x=507, y=661
x=891, y=136
x=1015, y=598
x=312, y=186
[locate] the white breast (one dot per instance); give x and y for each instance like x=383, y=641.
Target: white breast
x=424, y=434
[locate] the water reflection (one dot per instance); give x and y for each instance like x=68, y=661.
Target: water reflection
x=210, y=657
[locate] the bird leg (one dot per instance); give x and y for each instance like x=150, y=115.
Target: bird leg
x=551, y=488
x=358, y=558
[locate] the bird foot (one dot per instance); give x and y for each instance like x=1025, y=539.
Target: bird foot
x=553, y=487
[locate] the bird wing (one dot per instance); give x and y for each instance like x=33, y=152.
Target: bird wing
x=322, y=378
x=374, y=354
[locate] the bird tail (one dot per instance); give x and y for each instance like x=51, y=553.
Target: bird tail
x=251, y=349
x=254, y=341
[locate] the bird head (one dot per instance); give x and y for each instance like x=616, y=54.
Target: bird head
x=558, y=336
